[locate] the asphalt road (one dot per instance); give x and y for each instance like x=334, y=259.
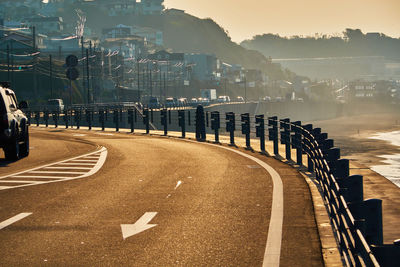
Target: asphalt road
x=200, y=205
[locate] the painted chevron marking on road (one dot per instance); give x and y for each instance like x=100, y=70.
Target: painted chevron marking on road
x=14, y=219
x=65, y=170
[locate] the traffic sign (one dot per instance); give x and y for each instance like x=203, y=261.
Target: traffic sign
x=72, y=74
x=71, y=61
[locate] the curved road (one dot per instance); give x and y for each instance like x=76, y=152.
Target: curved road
x=155, y=202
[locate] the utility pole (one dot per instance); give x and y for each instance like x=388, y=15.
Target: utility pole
x=138, y=79
x=83, y=64
x=34, y=61
x=51, y=76
x=165, y=91
x=245, y=89
x=160, y=80
x=8, y=62
x=88, y=76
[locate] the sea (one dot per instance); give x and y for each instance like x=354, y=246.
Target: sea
x=391, y=169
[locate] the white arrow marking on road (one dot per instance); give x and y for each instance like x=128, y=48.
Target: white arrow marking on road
x=141, y=225
x=13, y=220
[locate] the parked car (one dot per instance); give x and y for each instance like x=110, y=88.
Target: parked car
x=55, y=105
x=223, y=99
x=267, y=99
x=194, y=102
x=182, y=102
x=154, y=103
x=240, y=99
x=170, y=102
x=14, y=130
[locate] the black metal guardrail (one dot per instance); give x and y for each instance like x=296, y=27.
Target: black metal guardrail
x=357, y=223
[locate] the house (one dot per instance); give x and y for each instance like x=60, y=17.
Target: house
x=119, y=31
x=47, y=25
x=204, y=66
x=121, y=7
x=362, y=89
x=62, y=44
x=152, y=7
x=151, y=35
x=21, y=43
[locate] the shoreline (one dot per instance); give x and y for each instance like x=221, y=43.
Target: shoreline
x=353, y=136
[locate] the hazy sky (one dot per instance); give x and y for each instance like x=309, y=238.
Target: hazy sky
x=244, y=19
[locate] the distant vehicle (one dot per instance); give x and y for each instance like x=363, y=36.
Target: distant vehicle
x=170, y=102
x=14, y=131
x=267, y=99
x=210, y=94
x=182, y=102
x=204, y=101
x=194, y=102
x=55, y=105
x=224, y=99
x=154, y=103
x=300, y=100
x=279, y=99
x=240, y=99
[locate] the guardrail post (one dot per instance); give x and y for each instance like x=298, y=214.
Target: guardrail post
x=46, y=118
x=181, y=120
x=388, y=254
x=151, y=115
x=78, y=118
x=285, y=137
x=207, y=122
x=106, y=114
x=188, y=113
x=135, y=115
x=169, y=116
x=273, y=133
x=245, y=119
x=66, y=118
x=342, y=168
x=297, y=142
x=230, y=126
x=307, y=133
x=215, y=125
x=131, y=120
x=200, y=124
x=373, y=220
x=29, y=115
x=116, y=120
x=37, y=118
x=353, y=191
x=89, y=119
x=164, y=121
x=55, y=118
x=260, y=131
x=102, y=118
x=146, y=120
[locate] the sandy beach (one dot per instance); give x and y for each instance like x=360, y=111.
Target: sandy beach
x=352, y=135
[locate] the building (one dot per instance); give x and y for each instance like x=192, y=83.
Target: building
x=119, y=31
x=362, y=90
x=152, y=7
x=151, y=35
x=204, y=66
x=47, y=25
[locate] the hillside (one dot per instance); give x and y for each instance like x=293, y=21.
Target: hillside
x=188, y=34
x=354, y=43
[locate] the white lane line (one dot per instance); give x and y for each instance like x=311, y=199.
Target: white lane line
x=84, y=160
x=5, y=187
x=274, y=240
x=66, y=168
x=54, y=172
x=37, y=176
x=20, y=182
x=14, y=219
x=77, y=164
x=178, y=184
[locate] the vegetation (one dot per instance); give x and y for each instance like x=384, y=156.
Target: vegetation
x=353, y=43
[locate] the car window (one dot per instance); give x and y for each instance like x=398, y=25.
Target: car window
x=12, y=102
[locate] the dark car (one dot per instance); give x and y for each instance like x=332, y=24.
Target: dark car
x=14, y=131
